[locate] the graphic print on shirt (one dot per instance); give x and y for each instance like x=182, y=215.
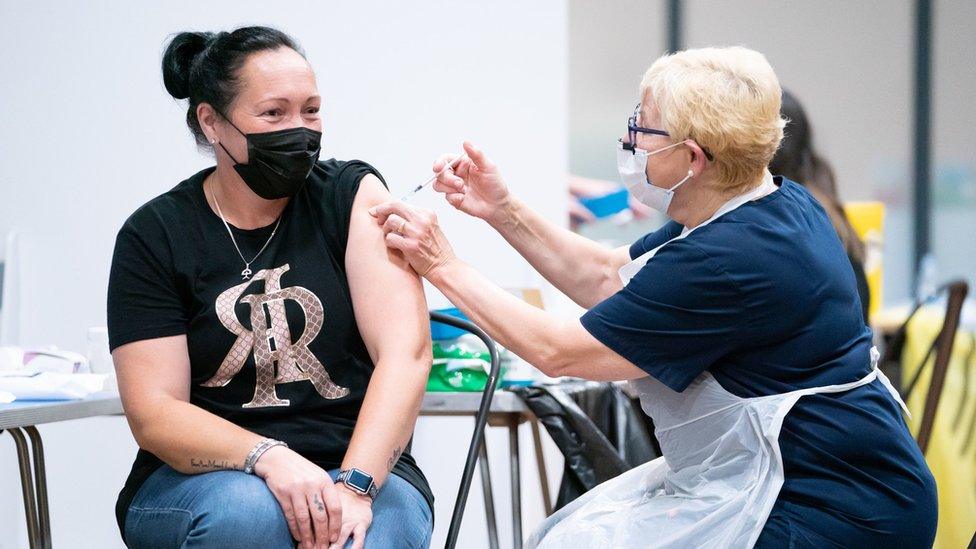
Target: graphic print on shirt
x=276, y=358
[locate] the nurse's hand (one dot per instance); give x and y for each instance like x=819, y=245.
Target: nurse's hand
x=474, y=186
x=415, y=233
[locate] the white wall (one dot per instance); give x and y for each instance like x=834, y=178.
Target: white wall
x=89, y=134
x=953, y=140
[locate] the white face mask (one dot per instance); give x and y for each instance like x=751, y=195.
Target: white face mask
x=632, y=166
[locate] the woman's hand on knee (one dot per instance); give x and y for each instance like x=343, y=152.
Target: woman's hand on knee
x=306, y=493
x=357, y=515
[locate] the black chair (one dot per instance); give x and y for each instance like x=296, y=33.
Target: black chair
x=478, y=437
x=941, y=347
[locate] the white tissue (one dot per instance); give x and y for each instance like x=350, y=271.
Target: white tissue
x=51, y=386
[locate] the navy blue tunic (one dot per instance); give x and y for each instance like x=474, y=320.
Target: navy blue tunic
x=765, y=299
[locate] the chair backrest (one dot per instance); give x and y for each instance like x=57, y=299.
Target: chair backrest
x=478, y=437
x=941, y=347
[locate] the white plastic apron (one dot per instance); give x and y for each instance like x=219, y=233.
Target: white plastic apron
x=721, y=469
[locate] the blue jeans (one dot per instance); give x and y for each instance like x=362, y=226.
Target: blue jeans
x=235, y=509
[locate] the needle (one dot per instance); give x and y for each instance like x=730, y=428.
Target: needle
x=450, y=165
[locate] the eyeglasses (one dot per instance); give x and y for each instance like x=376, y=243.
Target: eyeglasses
x=633, y=129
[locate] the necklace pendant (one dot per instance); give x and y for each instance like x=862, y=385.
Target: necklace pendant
x=246, y=273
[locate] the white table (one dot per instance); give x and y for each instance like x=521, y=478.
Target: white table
x=22, y=417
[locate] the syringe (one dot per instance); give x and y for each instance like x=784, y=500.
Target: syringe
x=450, y=165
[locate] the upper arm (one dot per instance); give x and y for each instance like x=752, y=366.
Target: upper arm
x=149, y=372
x=388, y=296
x=146, y=323
x=582, y=355
x=619, y=257
x=609, y=282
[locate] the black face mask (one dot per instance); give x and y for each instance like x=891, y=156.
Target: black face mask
x=278, y=162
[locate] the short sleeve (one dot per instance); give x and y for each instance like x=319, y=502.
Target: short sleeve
x=348, y=177
x=654, y=239
x=677, y=317
x=143, y=299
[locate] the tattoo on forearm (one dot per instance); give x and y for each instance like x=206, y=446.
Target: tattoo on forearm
x=393, y=458
x=318, y=503
x=213, y=464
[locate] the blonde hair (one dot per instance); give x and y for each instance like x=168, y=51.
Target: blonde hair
x=725, y=99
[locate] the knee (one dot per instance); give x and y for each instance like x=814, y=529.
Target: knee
x=242, y=512
x=401, y=517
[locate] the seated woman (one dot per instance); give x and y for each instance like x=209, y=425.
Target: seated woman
x=738, y=324
x=248, y=312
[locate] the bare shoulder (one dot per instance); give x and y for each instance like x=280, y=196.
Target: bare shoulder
x=371, y=192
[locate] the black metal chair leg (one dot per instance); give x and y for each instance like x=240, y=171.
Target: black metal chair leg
x=516, y=481
x=27, y=486
x=40, y=485
x=540, y=461
x=489, y=496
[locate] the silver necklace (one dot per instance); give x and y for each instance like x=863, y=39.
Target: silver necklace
x=246, y=273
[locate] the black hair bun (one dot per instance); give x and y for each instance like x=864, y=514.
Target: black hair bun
x=178, y=58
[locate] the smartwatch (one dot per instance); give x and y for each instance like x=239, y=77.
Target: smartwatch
x=359, y=481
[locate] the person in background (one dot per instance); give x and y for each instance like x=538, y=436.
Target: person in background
x=798, y=161
x=585, y=187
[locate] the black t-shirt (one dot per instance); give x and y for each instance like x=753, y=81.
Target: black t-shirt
x=279, y=354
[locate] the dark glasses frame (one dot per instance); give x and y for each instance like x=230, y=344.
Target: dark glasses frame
x=633, y=129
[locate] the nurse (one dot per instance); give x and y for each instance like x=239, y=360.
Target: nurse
x=738, y=323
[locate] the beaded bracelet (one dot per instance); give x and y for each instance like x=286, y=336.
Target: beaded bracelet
x=259, y=449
